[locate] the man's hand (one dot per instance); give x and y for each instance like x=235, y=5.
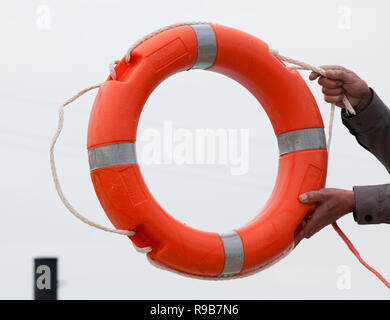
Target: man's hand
x=339, y=81
x=332, y=204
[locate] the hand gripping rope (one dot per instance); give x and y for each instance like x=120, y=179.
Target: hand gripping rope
x=297, y=65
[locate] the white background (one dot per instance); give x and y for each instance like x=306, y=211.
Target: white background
x=40, y=68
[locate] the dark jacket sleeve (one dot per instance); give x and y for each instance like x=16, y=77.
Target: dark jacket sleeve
x=371, y=127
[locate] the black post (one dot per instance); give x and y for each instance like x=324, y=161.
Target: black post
x=45, y=279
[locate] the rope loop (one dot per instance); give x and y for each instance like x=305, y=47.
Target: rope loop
x=111, y=67
x=65, y=201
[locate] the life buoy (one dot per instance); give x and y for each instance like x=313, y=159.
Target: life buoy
x=117, y=179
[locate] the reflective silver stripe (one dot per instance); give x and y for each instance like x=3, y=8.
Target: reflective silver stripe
x=303, y=139
x=207, y=46
x=111, y=155
x=234, y=253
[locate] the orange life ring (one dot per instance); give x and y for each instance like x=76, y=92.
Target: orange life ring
x=116, y=175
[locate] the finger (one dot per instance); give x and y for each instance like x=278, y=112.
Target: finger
x=315, y=230
x=315, y=222
x=313, y=75
x=332, y=92
x=312, y=196
x=333, y=99
x=299, y=235
x=342, y=75
x=308, y=227
x=298, y=239
x=329, y=83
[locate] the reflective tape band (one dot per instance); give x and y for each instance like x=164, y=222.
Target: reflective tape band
x=207, y=46
x=234, y=253
x=304, y=139
x=112, y=155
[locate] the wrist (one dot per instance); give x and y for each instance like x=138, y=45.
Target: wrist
x=351, y=201
x=364, y=102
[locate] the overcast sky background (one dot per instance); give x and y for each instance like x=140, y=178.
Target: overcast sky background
x=42, y=67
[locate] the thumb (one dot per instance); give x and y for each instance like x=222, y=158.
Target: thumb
x=312, y=196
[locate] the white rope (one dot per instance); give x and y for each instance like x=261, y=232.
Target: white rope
x=148, y=36
x=299, y=65
x=54, y=169
x=330, y=127
x=57, y=184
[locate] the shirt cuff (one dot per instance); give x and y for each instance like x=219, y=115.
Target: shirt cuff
x=372, y=204
x=368, y=118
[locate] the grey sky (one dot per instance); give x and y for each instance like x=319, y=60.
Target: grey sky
x=43, y=67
